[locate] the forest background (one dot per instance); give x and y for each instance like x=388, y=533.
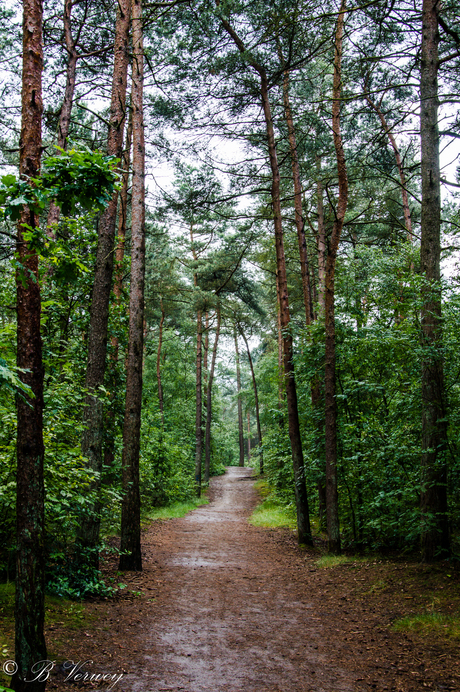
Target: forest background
x=276, y=294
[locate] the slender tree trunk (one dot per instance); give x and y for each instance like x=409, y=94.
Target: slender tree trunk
x=92, y=439
x=256, y=402
x=123, y=214
x=205, y=357
x=249, y=435
x=303, y=517
x=207, y=450
x=109, y=448
x=30, y=566
x=199, y=405
x=435, y=527
x=333, y=529
x=240, y=403
x=131, y=557
x=66, y=108
x=279, y=333
x=299, y=221
x=400, y=167
x=322, y=505
x=160, y=342
x=321, y=240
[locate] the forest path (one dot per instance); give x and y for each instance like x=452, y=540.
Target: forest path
x=232, y=611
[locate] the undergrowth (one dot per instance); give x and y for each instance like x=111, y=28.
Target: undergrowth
x=327, y=561
x=177, y=509
x=430, y=623
x=59, y=612
x=271, y=513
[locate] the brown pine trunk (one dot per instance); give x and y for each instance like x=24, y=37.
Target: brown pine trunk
x=92, y=439
x=249, y=435
x=205, y=356
x=199, y=405
x=332, y=510
x=30, y=565
x=256, y=402
x=303, y=517
x=240, y=403
x=321, y=240
x=160, y=342
x=123, y=213
x=131, y=558
x=435, y=527
x=279, y=333
x=66, y=108
x=207, y=446
x=109, y=449
x=322, y=506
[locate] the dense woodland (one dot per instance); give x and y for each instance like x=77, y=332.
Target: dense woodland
x=221, y=239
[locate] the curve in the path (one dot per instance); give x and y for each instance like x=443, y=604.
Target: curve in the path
x=234, y=615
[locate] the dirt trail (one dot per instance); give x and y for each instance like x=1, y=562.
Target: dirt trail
x=233, y=612
x=222, y=606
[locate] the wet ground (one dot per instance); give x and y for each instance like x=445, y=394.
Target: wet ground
x=222, y=606
x=236, y=619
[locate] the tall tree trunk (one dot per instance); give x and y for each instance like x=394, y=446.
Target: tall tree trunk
x=131, y=557
x=66, y=108
x=92, y=439
x=332, y=511
x=207, y=446
x=109, y=448
x=205, y=357
x=256, y=402
x=279, y=333
x=239, y=402
x=435, y=527
x=199, y=405
x=123, y=214
x=303, y=516
x=316, y=389
x=299, y=221
x=30, y=509
x=249, y=435
x=160, y=342
x=321, y=240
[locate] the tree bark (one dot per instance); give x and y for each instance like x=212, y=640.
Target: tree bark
x=205, y=357
x=131, y=557
x=256, y=402
x=199, y=405
x=92, y=439
x=30, y=508
x=123, y=213
x=160, y=342
x=207, y=449
x=239, y=402
x=279, y=334
x=321, y=240
x=249, y=435
x=109, y=448
x=435, y=527
x=303, y=517
x=332, y=511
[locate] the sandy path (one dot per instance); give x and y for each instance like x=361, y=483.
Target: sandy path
x=233, y=612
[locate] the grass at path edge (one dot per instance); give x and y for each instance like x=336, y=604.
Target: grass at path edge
x=177, y=509
x=271, y=514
